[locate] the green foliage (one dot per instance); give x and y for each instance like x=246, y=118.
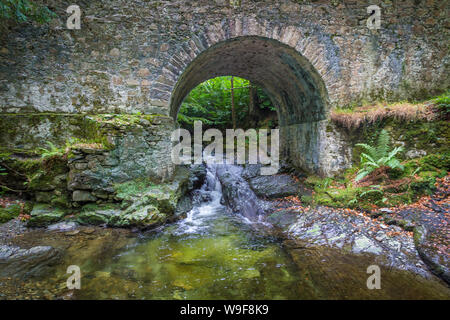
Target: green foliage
x=25, y=10
x=432, y=162
x=52, y=152
x=210, y=102
x=2, y=171
x=378, y=156
x=443, y=102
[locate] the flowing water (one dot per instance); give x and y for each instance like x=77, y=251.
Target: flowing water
x=209, y=255
x=212, y=254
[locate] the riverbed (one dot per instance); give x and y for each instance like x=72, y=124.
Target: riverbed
x=213, y=253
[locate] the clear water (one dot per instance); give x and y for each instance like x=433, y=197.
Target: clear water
x=212, y=254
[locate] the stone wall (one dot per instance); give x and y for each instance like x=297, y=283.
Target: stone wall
x=140, y=152
x=129, y=55
x=89, y=155
x=310, y=56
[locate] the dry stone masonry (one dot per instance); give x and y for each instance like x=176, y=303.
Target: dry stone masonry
x=310, y=56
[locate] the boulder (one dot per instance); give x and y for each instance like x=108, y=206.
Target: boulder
x=43, y=215
x=24, y=263
x=439, y=264
x=197, y=176
x=151, y=204
x=275, y=186
x=139, y=216
x=93, y=214
x=184, y=205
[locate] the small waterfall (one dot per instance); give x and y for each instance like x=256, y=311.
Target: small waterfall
x=208, y=200
x=207, y=204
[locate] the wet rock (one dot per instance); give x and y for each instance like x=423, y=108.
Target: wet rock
x=351, y=232
x=438, y=262
x=184, y=205
x=364, y=244
x=72, y=233
x=24, y=263
x=83, y=196
x=97, y=214
x=237, y=193
x=197, y=176
x=430, y=225
x=251, y=171
x=43, y=215
x=88, y=230
x=139, y=216
x=164, y=196
x=282, y=218
x=275, y=186
x=63, y=226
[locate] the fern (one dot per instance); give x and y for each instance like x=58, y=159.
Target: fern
x=382, y=148
x=378, y=156
x=53, y=151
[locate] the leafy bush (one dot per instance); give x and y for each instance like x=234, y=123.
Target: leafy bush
x=378, y=156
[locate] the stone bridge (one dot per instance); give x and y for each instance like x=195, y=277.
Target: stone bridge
x=136, y=56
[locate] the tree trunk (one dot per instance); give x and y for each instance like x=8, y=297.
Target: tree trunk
x=251, y=105
x=233, y=111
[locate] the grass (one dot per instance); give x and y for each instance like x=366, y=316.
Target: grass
x=353, y=118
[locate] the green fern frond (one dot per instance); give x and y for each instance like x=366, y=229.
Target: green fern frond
x=369, y=149
x=382, y=144
x=379, y=156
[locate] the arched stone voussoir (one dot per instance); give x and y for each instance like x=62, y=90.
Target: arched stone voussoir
x=292, y=82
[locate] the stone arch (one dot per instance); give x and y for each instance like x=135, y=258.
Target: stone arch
x=268, y=56
x=292, y=83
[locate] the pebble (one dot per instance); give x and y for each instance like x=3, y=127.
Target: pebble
x=72, y=233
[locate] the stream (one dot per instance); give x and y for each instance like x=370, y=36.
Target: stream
x=211, y=254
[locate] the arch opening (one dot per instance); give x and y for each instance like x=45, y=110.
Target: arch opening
x=228, y=102
x=292, y=83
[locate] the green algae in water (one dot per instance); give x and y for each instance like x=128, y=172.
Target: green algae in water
x=228, y=262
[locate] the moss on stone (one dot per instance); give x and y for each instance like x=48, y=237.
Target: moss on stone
x=141, y=216
x=132, y=189
x=10, y=212
x=95, y=214
x=44, y=214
